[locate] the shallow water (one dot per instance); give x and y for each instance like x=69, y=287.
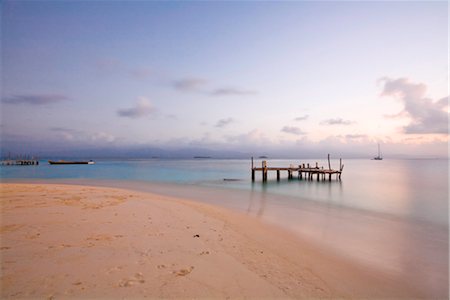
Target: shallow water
x=415, y=189
x=391, y=215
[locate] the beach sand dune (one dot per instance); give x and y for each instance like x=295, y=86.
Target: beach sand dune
x=63, y=241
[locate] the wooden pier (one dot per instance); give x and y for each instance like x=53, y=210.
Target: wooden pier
x=19, y=160
x=303, y=171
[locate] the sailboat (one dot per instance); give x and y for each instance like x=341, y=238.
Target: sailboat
x=379, y=157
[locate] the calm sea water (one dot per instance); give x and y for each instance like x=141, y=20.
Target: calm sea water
x=410, y=188
x=390, y=215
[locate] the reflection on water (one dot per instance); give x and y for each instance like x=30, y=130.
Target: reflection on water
x=261, y=199
x=404, y=249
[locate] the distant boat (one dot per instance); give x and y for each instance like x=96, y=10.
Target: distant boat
x=379, y=157
x=65, y=162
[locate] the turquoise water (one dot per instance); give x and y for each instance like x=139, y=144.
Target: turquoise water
x=390, y=215
x=411, y=188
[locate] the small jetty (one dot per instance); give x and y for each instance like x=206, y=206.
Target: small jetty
x=303, y=171
x=20, y=160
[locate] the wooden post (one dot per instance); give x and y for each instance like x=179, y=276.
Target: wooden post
x=317, y=165
x=318, y=176
x=340, y=164
x=252, y=162
x=329, y=164
x=264, y=170
x=278, y=175
x=253, y=174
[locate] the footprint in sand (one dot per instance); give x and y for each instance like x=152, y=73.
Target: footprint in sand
x=100, y=237
x=184, y=272
x=114, y=269
x=138, y=278
x=33, y=236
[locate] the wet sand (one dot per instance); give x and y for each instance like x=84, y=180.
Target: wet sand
x=67, y=241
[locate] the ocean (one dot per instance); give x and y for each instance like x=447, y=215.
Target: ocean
x=415, y=189
x=391, y=215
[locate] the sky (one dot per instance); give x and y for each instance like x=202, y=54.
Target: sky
x=286, y=79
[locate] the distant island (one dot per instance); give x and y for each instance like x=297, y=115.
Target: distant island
x=262, y=156
x=202, y=156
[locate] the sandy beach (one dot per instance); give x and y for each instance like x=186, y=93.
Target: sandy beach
x=67, y=241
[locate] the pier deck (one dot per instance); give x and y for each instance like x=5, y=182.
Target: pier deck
x=19, y=162
x=304, y=171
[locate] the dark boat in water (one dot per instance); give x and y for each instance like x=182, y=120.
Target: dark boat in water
x=65, y=162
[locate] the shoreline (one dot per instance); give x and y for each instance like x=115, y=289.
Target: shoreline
x=249, y=257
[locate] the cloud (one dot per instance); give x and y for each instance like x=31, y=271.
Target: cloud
x=426, y=116
x=70, y=134
x=102, y=137
x=189, y=84
x=230, y=91
x=142, y=109
x=292, y=130
x=62, y=129
x=43, y=99
x=252, y=138
x=302, y=118
x=199, y=85
x=355, y=136
x=224, y=122
x=336, y=121
x=66, y=133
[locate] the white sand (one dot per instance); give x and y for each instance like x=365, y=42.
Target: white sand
x=65, y=241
